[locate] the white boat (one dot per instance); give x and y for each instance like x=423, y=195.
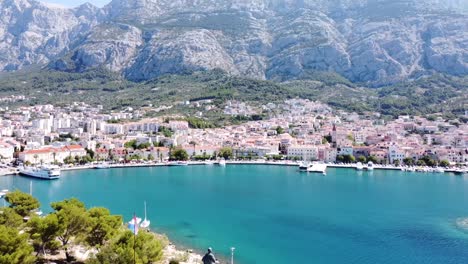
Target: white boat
x=208, y=162
x=37, y=211
x=439, y=170
x=178, y=163
x=303, y=166
x=40, y=172
x=222, y=162
x=102, y=166
x=2, y=194
x=146, y=223
x=359, y=166
x=370, y=166
x=132, y=222
x=318, y=167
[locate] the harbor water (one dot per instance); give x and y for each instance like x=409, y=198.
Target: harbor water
x=277, y=215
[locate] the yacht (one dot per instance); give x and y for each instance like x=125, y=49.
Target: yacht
x=439, y=170
x=40, y=172
x=370, y=166
x=146, y=223
x=303, y=166
x=103, y=165
x=318, y=167
x=359, y=166
x=208, y=162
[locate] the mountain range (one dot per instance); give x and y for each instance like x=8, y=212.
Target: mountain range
x=370, y=42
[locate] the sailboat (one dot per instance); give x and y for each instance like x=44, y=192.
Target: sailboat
x=146, y=222
x=37, y=211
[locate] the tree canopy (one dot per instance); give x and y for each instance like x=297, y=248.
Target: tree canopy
x=226, y=152
x=179, y=154
x=21, y=202
x=14, y=247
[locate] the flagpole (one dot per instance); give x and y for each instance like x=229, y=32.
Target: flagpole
x=134, y=237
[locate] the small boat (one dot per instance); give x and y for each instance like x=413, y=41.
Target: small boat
x=208, y=162
x=222, y=162
x=37, y=211
x=146, y=223
x=178, y=163
x=459, y=171
x=439, y=170
x=370, y=166
x=359, y=166
x=103, y=165
x=132, y=222
x=303, y=166
x=318, y=167
x=40, y=172
x=421, y=169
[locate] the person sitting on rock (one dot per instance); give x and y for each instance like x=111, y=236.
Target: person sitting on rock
x=209, y=258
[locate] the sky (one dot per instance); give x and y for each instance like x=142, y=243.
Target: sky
x=73, y=3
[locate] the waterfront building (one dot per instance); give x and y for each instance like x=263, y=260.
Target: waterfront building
x=50, y=155
x=305, y=152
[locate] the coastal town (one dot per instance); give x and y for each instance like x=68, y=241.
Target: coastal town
x=296, y=130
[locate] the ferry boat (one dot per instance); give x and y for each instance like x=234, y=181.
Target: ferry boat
x=359, y=166
x=370, y=166
x=318, y=167
x=40, y=172
x=102, y=166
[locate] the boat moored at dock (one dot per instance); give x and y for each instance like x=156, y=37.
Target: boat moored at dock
x=318, y=168
x=43, y=172
x=303, y=166
x=370, y=166
x=103, y=165
x=359, y=166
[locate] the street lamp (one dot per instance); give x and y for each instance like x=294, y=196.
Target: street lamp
x=232, y=254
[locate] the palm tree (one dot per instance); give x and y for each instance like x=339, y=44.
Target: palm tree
x=193, y=143
x=54, y=154
x=35, y=158
x=159, y=155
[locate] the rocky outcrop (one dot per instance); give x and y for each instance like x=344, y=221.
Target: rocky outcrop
x=367, y=41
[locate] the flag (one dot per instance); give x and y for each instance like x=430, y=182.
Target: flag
x=133, y=225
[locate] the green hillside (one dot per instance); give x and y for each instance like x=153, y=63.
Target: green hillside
x=436, y=94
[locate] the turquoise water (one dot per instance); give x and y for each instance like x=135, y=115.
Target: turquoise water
x=277, y=215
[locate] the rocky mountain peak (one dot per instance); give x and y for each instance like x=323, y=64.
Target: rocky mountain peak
x=375, y=42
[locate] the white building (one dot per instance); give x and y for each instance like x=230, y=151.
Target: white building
x=395, y=153
x=305, y=152
x=50, y=155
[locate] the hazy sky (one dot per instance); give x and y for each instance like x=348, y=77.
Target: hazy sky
x=73, y=3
